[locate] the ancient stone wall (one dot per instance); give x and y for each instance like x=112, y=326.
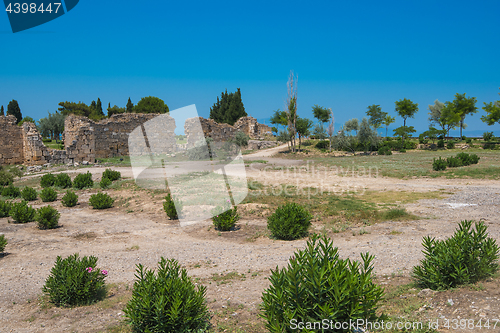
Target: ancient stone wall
x=11, y=141
x=252, y=128
x=35, y=152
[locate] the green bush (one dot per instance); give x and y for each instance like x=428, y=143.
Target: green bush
x=169, y=207
x=318, y=284
x=464, y=138
x=11, y=192
x=3, y=243
x=290, y=221
x=101, y=201
x=63, y=181
x=453, y=162
x=111, y=175
x=468, y=140
x=5, y=208
x=21, y=212
x=488, y=136
x=402, y=150
x=225, y=218
x=70, y=199
x=467, y=159
x=83, y=180
x=467, y=257
x=47, y=217
x=6, y=178
x=47, y=180
x=167, y=302
x=105, y=183
x=29, y=194
x=450, y=145
x=323, y=144
x=385, y=150
x=241, y=139
x=48, y=194
x=75, y=281
x=440, y=143
x=439, y=164
x=490, y=145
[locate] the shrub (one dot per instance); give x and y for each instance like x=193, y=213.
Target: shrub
x=83, y=180
x=487, y=136
x=105, y=183
x=395, y=213
x=289, y=222
x=169, y=207
x=225, y=218
x=467, y=257
x=402, y=150
x=6, y=178
x=439, y=164
x=47, y=217
x=22, y=213
x=489, y=145
x=450, y=145
x=11, y=191
x=5, y=208
x=468, y=159
x=167, y=302
x=323, y=144
x=47, y=180
x=384, y=150
x=111, y=175
x=75, y=281
x=468, y=140
x=3, y=243
x=241, y=139
x=29, y=194
x=101, y=201
x=453, y=162
x=63, y=180
x=48, y=194
x=440, y=143
x=70, y=199
x=318, y=284
x=464, y=138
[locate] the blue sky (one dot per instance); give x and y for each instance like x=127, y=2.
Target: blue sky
x=347, y=55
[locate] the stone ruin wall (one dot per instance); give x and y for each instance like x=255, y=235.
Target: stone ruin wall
x=86, y=140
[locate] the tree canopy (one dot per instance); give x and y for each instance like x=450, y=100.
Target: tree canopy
x=151, y=104
x=130, y=106
x=228, y=109
x=1, y=111
x=14, y=110
x=115, y=110
x=406, y=109
x=52, y=125
x=462, y=106
x=492, y=112
x=388, y=120
x=376, y=115
x=321, y=113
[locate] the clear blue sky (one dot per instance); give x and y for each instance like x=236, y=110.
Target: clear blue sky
x=347, y=55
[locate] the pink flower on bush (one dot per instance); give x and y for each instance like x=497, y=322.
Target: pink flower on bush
x=104, y=272
x=89, y=269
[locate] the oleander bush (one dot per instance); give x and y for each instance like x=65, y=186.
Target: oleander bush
x=290, y=221
x=385, y=150
x=70, y=199
x=22, y=213
x=111, y=174
x=75, y=281
x=167, y=301
x=5, y=208
x=11, y=192
x=466, y=257
x=450, y=145
x=317, y=283
x=3, y=243
x=6, y=178
x=48, y=194
x=83, y=180
x=47, y=217
x=47, y=180
x=225, y=218
x=105, y=183
x=169, y=207
x=101, y=201
x=29, y=194
x=63, y=180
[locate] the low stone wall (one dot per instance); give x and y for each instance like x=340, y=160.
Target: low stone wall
x=256, y=144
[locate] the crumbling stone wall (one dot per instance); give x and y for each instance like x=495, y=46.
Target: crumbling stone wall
x=252, y=128
x=11, y=141
x=35, y=152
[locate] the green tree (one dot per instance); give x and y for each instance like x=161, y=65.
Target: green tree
x=303, y=126
x=95, y=110
x=51, y=126
x=376, y=115
x=130, y=106
x=352, y=125
x=463, y=106
x=14, y=110
x=406, y=109
x=291, y=112
x=115, y=110
x=449, y=117
x=228, y=109
x=151, y=104
x=1, y=111
x=435, y=114
x=367, y=136
x=322, y=114
x=77, y=109
x=279, y=118
x=404, y=132
x=26, y=119
x=388, y=120
x=492, y=112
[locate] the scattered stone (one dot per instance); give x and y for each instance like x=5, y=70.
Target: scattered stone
x=426, y=293
x=85, y=163
x=450, y=302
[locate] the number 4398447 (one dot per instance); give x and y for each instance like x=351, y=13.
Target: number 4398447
x=32, y=8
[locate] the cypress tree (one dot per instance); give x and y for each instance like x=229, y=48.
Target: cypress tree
x=130, y=106
x=99, y=107
x=13, y=109
x=1, y=111
x=228, y=109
